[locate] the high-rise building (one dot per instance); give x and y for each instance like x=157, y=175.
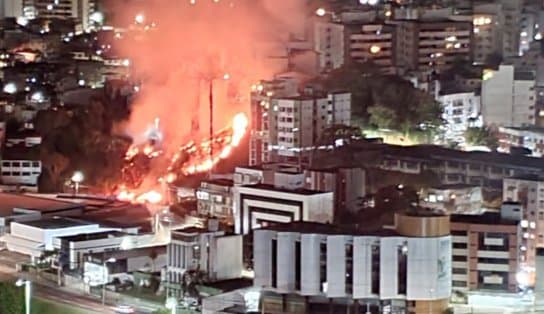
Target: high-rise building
x=488, y=21
x=508, y=97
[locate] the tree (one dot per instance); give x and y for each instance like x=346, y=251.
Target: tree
x=11, y=299
x=382, y=117
x=481, y=137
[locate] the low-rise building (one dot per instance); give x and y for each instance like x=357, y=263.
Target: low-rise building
x=531, y=138
x=33, y=238
x=216, y=254
x=261, y=205
x=454, y=198
x=214, y=199
x=312, y=267
x=486, y=252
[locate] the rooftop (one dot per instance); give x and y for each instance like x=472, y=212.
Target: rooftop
x=270, y=187
x=222, y=182
x=56, y=223
x=93, y=236
x=487, y=218
x=456, y=186
x=9, y=201
x=329, y=229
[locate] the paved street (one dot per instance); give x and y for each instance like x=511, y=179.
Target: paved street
x=49, y=291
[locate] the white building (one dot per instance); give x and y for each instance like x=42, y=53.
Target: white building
x=215, y=253
x=508, y=97
x=74, y=248
x=460, y=111
x=301, y=121
x=261, y=205
x=328, y=264
x=453, y=198
x=329, y=44
x=35, y=237
x=22, y=174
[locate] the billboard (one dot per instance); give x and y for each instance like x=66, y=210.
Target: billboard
x=95, y=274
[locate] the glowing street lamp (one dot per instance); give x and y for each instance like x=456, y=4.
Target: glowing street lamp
x=27, y=284
x=77, y=178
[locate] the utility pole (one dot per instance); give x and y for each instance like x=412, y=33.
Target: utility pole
x=211, y=126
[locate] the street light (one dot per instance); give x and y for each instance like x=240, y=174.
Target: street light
x=109, y=260
x=320, y=12
x=77, y=178
x=27, y=284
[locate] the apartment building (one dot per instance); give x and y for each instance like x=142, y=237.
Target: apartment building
x=453, y=198
x=486, y=250
x=296, y=124
x=508, y=97
x=432, y=45
x=79, y=10
x=21, y=174
x=461, y=110
x=322, y=268
x=375, y=43
x=488, y=22
x=329, y=44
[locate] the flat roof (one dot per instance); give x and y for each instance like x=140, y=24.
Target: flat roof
x=56, y=223
x=307, y=227
x=454, y=186
x=93, y=236
x=9, y=201
x=487, y=218
x=270, y=187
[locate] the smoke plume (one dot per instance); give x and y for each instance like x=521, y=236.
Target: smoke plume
x=181, y=45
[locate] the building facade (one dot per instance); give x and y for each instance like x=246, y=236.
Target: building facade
x=531, y=138
x=329, y=44
x=262, y=205
x=508, y=97
x=461, y=110
x=214, y=199
x=375, y=43
x=486, y=252
x=336, y=270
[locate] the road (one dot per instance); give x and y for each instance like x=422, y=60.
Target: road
x=49, y=291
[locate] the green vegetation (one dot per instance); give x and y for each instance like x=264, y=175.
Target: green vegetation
x=386, y=101
x=40, y=306
x=481, y=137
x=11, y=299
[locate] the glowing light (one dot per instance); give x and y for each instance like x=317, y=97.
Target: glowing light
x=78, y=177
x=151, y=197
x=37, y=97
x=226, y=76
x=10, y=88
x=320, y=12
x=81, y=82
x=538, y=36
x=126, y=62
x=139, y=18
x=487, y=74
x=22, y=21
x=375, y=49
x=97, y=17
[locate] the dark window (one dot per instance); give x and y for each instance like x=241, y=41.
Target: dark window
x=274, y=262
x=457, y=258
x=323, y=265
x=458, y=232
x=402, y=268
x=456, y=283
x=349, y=268
x=297, y=265
x=376, y=269
x=459, y=245
x=459, y=271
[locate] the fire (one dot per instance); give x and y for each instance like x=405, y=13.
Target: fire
x=189, y=159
